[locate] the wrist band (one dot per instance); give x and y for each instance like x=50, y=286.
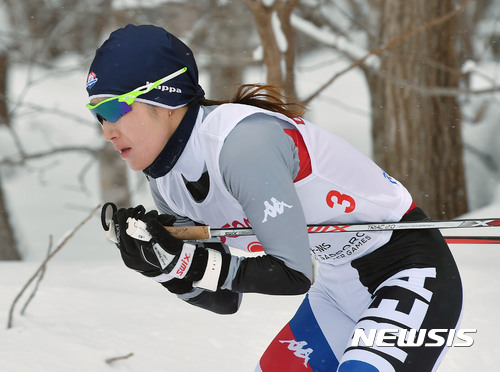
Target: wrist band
x=184, y=262
x=210, y=278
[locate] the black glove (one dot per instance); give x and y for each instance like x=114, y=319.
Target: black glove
x=146, y=246
x=206, y=268
x=138, y=254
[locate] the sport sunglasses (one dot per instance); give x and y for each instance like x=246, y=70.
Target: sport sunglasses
x=114, y=108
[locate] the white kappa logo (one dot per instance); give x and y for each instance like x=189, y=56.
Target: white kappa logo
x=300, y=352
x=273, y=210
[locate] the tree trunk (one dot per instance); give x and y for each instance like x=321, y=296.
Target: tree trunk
x=227, y=39
x=262, y=15
x=8, y=246
x=114, y=178
x=272, y=56
x=4, y=108
x=417, y=134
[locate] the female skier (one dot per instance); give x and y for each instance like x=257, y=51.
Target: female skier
x=255, y=162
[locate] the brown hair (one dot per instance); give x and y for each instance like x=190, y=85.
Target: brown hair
x=264, y=96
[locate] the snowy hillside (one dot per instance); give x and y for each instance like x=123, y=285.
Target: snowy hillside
x=86, y=312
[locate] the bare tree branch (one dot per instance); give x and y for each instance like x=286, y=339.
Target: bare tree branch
x=436, y=90
x=284, y=11
x=262, y=15
x=392, y=43
x=488, y=160
x=23, y=158
x=44, y=263
x=114, y=359
x=40, y=278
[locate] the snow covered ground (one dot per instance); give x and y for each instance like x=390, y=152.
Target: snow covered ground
x=90, y=308
x=86, y=312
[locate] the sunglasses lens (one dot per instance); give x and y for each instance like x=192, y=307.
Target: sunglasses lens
x=111, y=111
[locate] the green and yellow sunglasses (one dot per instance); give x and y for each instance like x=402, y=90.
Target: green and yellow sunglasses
x=114, y=108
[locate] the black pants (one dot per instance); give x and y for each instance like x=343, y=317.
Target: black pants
x=440, y=302
x=412, y=282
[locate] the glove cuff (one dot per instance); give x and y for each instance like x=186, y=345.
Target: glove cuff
x=213, y=270
x=184, y=261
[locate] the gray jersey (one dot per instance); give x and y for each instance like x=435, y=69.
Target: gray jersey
x=243, y=169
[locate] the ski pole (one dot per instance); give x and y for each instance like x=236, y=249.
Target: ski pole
x=205, y=232
x=138, y=229
x=472, y=239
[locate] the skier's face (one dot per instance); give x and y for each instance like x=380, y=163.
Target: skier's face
x=141, y=134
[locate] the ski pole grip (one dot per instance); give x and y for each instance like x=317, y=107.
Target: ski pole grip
x=189, y=232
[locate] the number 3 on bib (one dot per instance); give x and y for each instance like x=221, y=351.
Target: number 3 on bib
x=345, y=200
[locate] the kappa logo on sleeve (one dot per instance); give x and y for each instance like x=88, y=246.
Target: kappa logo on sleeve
x=272, y=210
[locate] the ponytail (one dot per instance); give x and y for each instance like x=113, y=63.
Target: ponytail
x=267, y=97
